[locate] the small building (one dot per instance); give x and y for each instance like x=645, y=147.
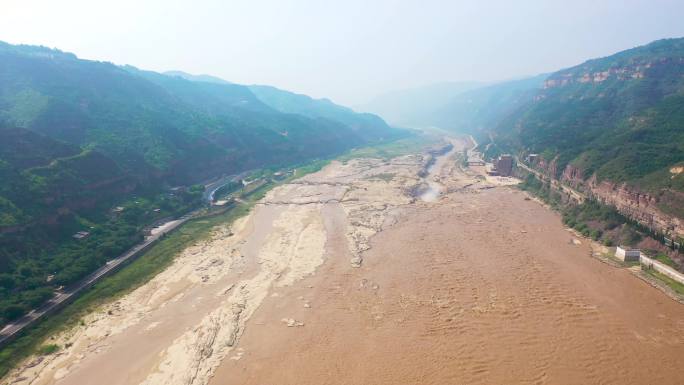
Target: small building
x=627, y=254
x=504, y=165
x=490, y=169
x=532, y=158
x=173, y=191
x=81, y=235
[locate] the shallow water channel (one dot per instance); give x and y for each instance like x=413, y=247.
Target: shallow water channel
x=434, y=188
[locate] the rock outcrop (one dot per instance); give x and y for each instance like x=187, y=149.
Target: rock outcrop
x=631, y=202
x=637, y=205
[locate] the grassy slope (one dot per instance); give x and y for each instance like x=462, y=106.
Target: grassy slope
x=677, y=287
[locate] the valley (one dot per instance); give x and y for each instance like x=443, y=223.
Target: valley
x=187, y=199
x=107, y=151
x=346, y=276
x=607, y=130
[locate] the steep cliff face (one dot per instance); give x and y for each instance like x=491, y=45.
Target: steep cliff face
x=638, y=205
x=548, y=167
x=612, y=128
x=587, y=74
x=643, y=207
x=621, y=116
x=574, y=176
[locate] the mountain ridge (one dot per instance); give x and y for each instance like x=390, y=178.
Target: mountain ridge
x=612, y=127
x=411, y=107
x=83, y=137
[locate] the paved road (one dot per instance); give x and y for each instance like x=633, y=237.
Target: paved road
x=576, y=195
x=58, y=300
x=13, y=329
x=211, y=188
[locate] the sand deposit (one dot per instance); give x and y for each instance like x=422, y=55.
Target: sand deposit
x=346, y=276
x=177, y=328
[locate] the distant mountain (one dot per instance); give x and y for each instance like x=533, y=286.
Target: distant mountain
x=80, y=137
x=413, y=107
x=612, y=127
x=197, y=78
x=476, y=110
x=287, y=102
x=292, y=103
x=166, y=126
x=618, y=116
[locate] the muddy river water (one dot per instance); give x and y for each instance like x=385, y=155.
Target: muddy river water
x=343, y=277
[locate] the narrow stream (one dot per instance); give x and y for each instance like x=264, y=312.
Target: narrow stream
x=435, y=189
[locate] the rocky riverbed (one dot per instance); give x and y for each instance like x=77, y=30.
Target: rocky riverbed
x=189, y=318
x=346, y=276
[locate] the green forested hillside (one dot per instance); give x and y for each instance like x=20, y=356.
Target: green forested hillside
x=291, y=103
x=156, y=128
x=477, y=110
x=153, y=123
x=81, y=137
x=650, y=142
x=41, y=176
x=619, y=117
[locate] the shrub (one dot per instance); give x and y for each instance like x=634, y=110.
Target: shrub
x=48, y=349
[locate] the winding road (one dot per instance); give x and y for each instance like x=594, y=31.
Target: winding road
x=61, y=298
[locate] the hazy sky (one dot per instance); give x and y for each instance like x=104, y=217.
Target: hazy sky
x=348, y=50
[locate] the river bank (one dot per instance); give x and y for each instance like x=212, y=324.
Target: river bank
x=345, y=276
x=101, y=326
x=483, y=286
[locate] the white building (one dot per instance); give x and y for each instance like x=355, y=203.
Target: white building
x=627, y=254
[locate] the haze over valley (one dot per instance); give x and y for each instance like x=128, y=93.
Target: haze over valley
x=298, y=193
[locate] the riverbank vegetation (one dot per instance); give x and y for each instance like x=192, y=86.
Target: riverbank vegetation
x=600, y=222
x=389, y=150
x=676, y=286
x=130, y=277
x=36, y=340
x=592, y=219
x=37, y=261
x=81, y=138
